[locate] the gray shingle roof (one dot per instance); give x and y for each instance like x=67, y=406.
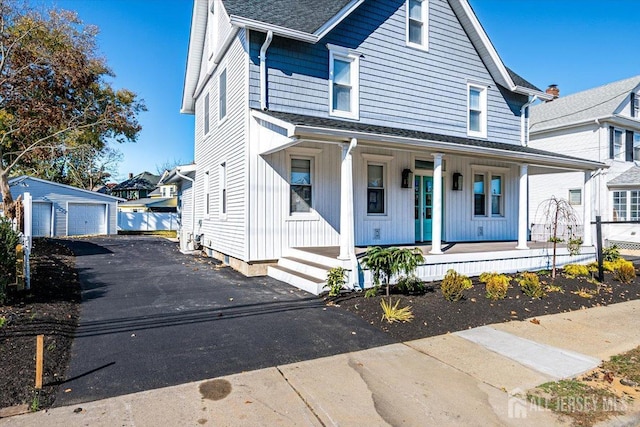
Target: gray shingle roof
x=301, y=15
x=590, y=104
x=301, y=120
x=520, y=81
x=630, y=177
x=143, y=181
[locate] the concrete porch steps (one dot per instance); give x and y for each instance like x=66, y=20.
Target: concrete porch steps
x=296, y=278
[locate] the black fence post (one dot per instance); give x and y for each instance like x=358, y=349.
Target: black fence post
x=599, y=247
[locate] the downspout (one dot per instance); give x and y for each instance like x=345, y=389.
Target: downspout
x=524, y=128
x=263, y=70
x=193, y=201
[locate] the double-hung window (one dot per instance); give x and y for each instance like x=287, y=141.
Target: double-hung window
x=207, y=196
x=344, y=82
x=417, y=23
x=477, y=111
x=617, y=144
x=626, y=205
x=479, y=195
x=222, y=107
x=206, y=114
x=496, y=195
x=375, y=189
x=222, y=177
x=488, y=194
x=301, y=183
x=636, y=146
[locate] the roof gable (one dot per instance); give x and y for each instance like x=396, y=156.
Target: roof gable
x=20, y=179
x=143, y=181
x=597, y=103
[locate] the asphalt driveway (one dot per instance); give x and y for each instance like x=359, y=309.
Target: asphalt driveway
x=152, y=317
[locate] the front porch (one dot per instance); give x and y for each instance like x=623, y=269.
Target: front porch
x=307, y=267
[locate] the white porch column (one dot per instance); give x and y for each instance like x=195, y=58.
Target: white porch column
x=522, y=207
x=347, y=232
x=436, y=217
x=587, y=240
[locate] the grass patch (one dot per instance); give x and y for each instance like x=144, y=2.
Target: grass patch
x=626, y=365
x=583, y=404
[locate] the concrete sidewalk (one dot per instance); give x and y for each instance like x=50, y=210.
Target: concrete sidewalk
x=467, y=378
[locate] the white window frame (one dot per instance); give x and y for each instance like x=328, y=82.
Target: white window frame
x=635, y=106
x=575, y=191
x=425, y=26
x=304, y=153
x=223, y=194
x=212, y=29
x=489, y=172
x=222, y=118
x=353, y=57
x=628, y=205
x=482, y=133
x=636, y=145
x=620, y=155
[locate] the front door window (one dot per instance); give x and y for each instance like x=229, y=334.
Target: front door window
x=423, y=187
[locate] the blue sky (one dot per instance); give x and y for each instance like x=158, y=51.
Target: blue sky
x=576, y=44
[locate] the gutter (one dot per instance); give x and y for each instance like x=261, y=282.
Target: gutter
x=193, y=200
x=524, y=129
x=263, y=70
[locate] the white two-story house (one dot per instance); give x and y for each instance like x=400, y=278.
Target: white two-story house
x=603, y=125
x=326, y=127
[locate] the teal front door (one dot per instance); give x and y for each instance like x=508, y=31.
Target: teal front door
x=423, y=207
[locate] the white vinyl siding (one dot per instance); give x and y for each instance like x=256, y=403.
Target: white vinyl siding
x=418, y=23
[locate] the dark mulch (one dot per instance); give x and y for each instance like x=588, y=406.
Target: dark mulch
x=434, y=315
x=51, y=308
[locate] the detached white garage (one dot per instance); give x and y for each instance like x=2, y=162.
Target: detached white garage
x=63, y=210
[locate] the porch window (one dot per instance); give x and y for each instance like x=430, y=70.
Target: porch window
x=222, y=112
x=375, y=189
x=222, y=176
x=206, y=114
x=343, y=82
x=496, y=195
x=301, y=185
x=575, y=196
x=619, y=205
x=417, y=23
x=479, y=198
x=477, y=111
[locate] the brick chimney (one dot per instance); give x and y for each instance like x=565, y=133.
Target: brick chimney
x=130, y=175
x=553, y=90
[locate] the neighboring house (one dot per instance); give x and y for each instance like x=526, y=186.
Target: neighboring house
x=106, y=189
x=136, y=187
x=600, y=124
x=182, y=178
x=63, y=210
x=164, y=198
x=355, y=123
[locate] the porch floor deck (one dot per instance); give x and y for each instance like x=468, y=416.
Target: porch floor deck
x=447, y=248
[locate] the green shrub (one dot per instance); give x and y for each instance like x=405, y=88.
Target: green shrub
x=496, y=285
x=372, y=292
x=530, y=285
x=454, y=284
x=624, y=271
x=611, y=253
x=410, y=285
x=9, y=239
x=576, y=270
x=336, y=278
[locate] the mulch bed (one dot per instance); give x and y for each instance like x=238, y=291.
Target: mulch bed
x=50, y=308
x=434, y=315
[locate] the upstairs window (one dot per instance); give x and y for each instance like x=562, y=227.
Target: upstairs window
x=617, y=144
x=344, y=83
x=222, y=176
x=477, y=111
x=635, y=105
x=223, y=95
x=417, y=23
x=206, y=114
x=636, y=146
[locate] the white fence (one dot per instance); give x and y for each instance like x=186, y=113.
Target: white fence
x=147, y=221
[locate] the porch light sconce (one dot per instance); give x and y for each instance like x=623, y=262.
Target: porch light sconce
x=457, y=181
x=407, y=177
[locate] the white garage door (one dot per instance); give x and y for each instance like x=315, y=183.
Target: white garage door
x=86, y=218
x=41, y=219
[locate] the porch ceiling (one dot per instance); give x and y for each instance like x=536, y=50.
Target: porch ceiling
x=301, y=127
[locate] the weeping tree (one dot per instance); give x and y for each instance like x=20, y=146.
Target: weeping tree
x=561, y=222
x=385, y=263
x=54, y=93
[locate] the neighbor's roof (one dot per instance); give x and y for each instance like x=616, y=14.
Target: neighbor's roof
x=308, y=126
x=173, y=177
x=596, y=103
x=631, y=177
x=142, y=181
x=311, y=20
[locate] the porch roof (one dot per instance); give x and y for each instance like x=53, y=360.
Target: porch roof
x=301, y=127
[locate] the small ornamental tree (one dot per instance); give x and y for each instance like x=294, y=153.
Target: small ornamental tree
x=385, y=263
